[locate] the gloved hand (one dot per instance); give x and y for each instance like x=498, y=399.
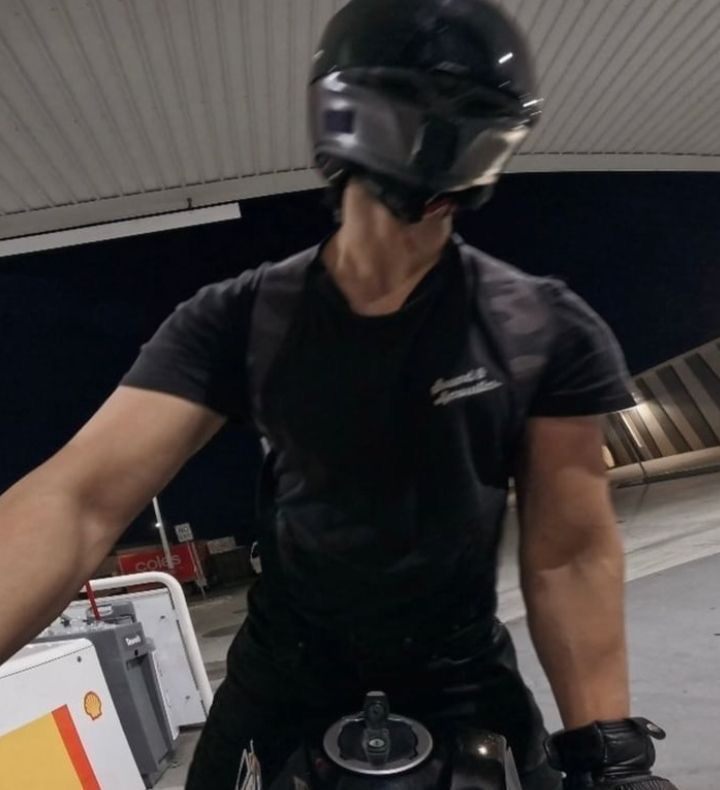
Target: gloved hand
x=608, y=755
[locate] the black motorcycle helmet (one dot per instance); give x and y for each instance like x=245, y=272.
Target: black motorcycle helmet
x=422, y=99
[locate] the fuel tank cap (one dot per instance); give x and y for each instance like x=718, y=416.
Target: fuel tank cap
x=377, y=742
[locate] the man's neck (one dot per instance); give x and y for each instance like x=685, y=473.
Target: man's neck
x=375, y=259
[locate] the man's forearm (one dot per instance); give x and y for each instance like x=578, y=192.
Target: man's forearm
x=576, y=620
x=49, y=549
x=58, y=523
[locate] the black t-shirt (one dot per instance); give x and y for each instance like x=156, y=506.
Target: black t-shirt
x=393, y=435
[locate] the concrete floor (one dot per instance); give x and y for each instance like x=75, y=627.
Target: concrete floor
x=674, y=635
x=672, y=538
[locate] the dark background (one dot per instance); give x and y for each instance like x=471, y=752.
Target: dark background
x=643, y=249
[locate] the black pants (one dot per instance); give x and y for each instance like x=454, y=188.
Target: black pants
x=275, y=699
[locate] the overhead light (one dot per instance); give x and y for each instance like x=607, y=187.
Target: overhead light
x=631, y=430
x=506, y=58
x=116, y=230
x=531, y=103
x=639, y=401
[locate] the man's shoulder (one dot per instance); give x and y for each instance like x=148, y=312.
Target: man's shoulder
x=248, y=281
x=270, y=275
x=519, y=311
x=493, y=270
x=503, y=285
x=296, y=261
x=507, y=292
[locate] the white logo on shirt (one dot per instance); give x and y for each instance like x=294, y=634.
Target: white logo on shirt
x=474, y=382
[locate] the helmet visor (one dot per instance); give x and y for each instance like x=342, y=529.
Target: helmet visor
x=432, y=131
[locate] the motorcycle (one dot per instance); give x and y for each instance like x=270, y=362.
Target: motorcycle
x=377, y=749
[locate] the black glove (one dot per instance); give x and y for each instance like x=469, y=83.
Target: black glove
x=608, y=755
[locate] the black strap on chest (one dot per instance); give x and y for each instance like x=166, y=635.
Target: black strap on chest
x=278, y=293
x=516, y=315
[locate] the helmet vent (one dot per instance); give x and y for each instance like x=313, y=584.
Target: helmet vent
x=339, y=121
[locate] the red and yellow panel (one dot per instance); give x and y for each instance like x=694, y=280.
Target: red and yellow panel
x=46, y=753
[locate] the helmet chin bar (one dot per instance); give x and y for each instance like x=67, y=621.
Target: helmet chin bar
x=409, y=204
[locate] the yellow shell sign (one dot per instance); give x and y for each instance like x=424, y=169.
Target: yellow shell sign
x=92, y=705
x=63, y=762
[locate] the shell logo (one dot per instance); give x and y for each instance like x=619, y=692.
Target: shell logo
x=92, y=705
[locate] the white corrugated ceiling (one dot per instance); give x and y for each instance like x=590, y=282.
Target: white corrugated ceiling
x=117, y=108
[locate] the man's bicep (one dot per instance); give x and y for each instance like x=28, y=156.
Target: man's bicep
x=131, y=448
x=563, y=498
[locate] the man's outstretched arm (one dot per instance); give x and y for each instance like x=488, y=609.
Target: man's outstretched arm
x=59, y=522
x=572, y=569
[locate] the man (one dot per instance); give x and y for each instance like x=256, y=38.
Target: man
x=401, y=379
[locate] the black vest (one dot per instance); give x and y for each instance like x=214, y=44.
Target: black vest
x=512, y=308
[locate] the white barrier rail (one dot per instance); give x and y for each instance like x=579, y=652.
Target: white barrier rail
x=177, y=596
x=697, y=462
